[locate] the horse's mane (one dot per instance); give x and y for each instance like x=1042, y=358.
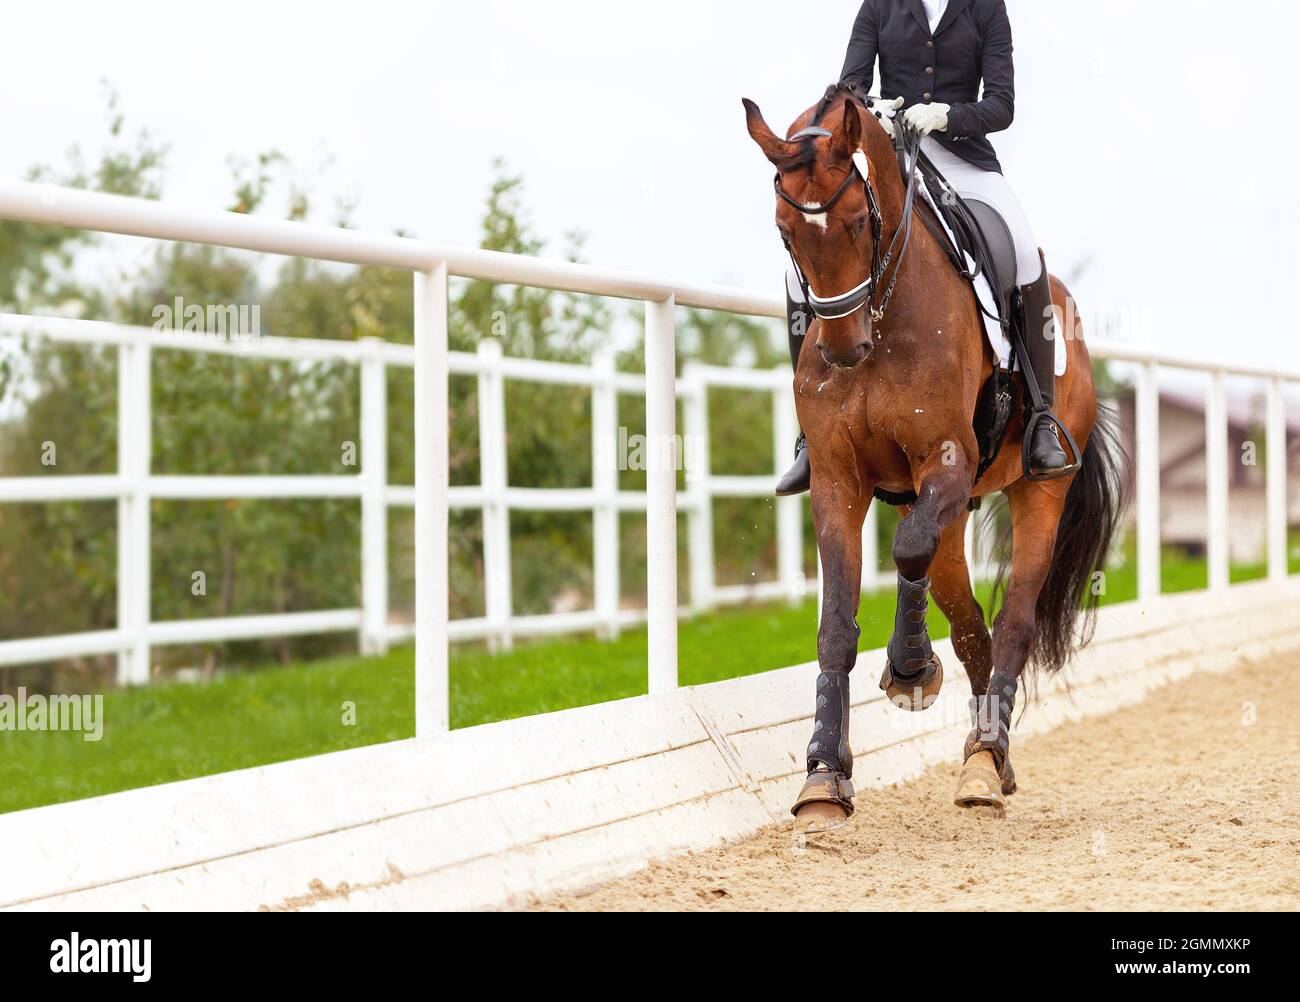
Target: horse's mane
x=806, y=155
x=851, y=89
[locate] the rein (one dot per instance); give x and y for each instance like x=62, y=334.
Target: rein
x=848, y=303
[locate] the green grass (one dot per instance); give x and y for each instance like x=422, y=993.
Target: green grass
x=174, y=731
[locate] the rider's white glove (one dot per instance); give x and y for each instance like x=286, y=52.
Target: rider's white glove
x=927, y=118
x=886, y=111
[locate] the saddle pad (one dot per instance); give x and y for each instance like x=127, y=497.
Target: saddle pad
x=1000, y=343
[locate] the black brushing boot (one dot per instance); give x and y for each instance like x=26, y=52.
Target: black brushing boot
x=798, y=479
x=913, y=672
x=1045, y=452
x=826, y=802
x=988, y=778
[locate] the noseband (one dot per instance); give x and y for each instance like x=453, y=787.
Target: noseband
x=848, y=303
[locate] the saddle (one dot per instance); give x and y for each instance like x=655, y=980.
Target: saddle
x=997, y=238
x=983, y=237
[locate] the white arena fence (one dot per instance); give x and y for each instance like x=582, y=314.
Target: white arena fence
x=134, y=485
x=494, y=497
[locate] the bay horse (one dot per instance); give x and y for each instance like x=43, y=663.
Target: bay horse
x=886, y=396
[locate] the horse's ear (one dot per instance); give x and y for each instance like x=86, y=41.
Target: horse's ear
x=773, y=146
x=851, y=133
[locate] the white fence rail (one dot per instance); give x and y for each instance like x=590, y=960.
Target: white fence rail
x=134, y=484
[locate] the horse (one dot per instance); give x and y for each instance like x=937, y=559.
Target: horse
x=886, y=396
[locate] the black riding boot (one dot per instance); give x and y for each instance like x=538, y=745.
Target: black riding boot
x=1045, y=452
x=798, y=478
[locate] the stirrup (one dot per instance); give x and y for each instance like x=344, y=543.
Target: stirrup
x=1074, y=458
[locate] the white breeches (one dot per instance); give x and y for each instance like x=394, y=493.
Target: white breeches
x=991, y=187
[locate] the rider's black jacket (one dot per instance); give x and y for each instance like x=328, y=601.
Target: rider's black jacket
x=972, y=43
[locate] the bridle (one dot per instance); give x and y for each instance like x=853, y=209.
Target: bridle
x=848, y=303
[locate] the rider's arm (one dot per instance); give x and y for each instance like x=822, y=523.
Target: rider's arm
x=997, y=107
x=860, y=63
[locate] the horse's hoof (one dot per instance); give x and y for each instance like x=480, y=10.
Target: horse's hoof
x=817, y=819
x=914, y=695
x=980, y=789
x=825, y=804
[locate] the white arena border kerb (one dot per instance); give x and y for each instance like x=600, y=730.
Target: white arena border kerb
x=493, y=815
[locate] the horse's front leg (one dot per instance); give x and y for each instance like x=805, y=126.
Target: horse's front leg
x=839, y=509
x=913, y=673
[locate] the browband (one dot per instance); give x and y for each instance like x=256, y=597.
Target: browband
x=817, y=210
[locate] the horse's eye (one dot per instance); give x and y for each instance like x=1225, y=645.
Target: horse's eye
x=860, y=225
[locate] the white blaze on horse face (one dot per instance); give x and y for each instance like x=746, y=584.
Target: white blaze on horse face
x=864, y=168
x=818, y=220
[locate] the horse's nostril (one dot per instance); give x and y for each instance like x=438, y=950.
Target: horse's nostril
x=847, y=359
x=829, y=356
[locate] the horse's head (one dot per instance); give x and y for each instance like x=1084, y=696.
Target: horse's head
x=824, y=212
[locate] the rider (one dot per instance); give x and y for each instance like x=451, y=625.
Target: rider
x=933, y=54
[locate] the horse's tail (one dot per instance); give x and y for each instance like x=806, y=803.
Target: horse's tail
x=1067, y=605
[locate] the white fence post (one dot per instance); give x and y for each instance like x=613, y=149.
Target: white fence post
x=1147, y=408
x=986, y=537
x=871, y=547
x=432, y=483
x=1216, y=480
x=977, y=543
x=604, y=482
x=789, y=511
x=374, y=500
x=1278, y=558
x=493, y=465
x=699, y=469
x=970, y=545
x=821, y=593
x=661, y=492
x=134, y=452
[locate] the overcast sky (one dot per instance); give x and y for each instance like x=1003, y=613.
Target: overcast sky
x=1154, y=144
